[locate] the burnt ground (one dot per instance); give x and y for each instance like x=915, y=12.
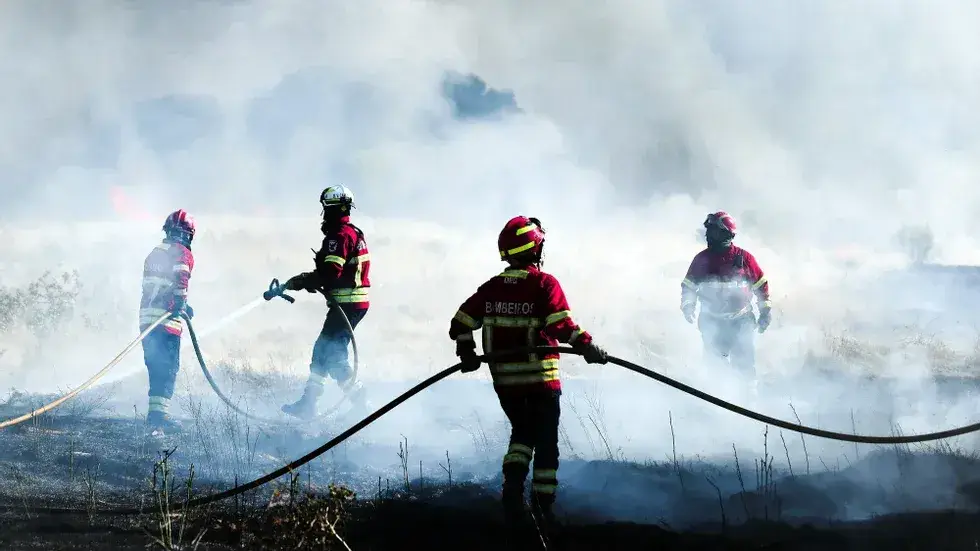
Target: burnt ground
x=908, y=500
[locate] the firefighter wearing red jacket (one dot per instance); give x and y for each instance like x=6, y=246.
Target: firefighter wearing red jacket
x=166, y=275
x=342, y=270
x=519, y=308
x=725, y=277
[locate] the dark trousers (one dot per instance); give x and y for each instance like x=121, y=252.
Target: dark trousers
x=330, y=355
x=730, y=341
x=161, y=354
x=534, y=421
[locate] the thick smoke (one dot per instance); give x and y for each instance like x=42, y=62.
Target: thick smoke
x=826, y=128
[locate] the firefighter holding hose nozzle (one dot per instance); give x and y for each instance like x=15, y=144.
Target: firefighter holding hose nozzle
x=342, y=271
x=166, y=275
x=523, y=307
x=725, y=278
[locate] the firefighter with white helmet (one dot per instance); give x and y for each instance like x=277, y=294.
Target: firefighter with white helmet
x=341, y=270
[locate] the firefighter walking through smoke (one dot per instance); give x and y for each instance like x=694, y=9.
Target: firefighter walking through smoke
x=523, y=307
x=341, y=269
x=166, y=275
x=725, y=277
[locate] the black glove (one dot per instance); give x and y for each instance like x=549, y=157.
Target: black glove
x=466, y=350
x=305, y=281
x=180, y=305
x=189, y=311
x=765, y=318
x=592, y=354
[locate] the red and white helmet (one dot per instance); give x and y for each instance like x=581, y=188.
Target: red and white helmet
x=180, y=224
x=521, y=236
x=722, y=221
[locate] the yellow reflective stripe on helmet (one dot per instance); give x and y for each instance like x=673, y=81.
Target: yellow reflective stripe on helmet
x=557, y=316
x=525, y=229
x=519, y=274
x=522, y=248
x=466, y=319
x=509, y=321
x=338, y=260
x=762, y=281
x=688, y=283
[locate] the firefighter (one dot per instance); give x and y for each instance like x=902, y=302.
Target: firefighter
x=166, y=274
x=523, y=307
x=341, y=269
x=725, y=277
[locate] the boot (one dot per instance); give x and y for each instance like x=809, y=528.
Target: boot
x=304, y=408
x=159, y=424
x=357, y=396
x=512, y=501
x=542, y=509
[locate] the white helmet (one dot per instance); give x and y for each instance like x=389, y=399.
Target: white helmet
x=337, y=196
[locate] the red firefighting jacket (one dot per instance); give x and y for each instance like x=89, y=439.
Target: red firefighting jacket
x=725, y=283
x=343, y=265
x=519, y=308
x=166, y=274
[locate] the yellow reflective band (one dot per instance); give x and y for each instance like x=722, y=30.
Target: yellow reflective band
x=364, y=257
x=526, y=229
x=350, y=296
x=157, y=280
x=466, y=319
x=316, y=380
x=174, y=324
x=159, y=404
x=521, y=249
x=464, y=337
x=520, y=448
x=557, y=316
x=182, y=268
x=762, y=281
x=546, y=475
x=766, y=305
x=525, y=367
x=519, y=274
x=338, y=260
x=690, y=284
x=541, y=488
x=518, y=458
x=576, y=334
x=180, y=292
x=505, y=321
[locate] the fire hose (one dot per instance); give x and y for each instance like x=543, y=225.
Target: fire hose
x=278, y=290
x=275, y=290
x=360, y=425
x=87, y=384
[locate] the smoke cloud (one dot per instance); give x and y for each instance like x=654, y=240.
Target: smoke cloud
x=825, y=128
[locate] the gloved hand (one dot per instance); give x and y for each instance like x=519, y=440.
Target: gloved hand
x=466, y=350
x=305, y=281
x=765, y=318
x=180, y=305
x=592, y=354
x=688, y=310
x=189, y=311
